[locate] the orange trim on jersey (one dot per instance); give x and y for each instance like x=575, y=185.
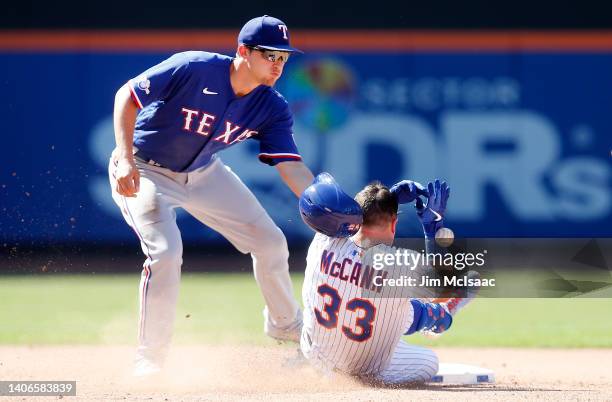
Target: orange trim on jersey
x=308, y=40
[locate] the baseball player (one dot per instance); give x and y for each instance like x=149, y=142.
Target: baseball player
x=351, y=324
x=170, y=122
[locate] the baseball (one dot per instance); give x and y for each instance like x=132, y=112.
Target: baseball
x=444, y=237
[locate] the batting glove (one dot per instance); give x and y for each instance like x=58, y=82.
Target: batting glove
x=429, y=317
x=407, y=191
x=431, y=215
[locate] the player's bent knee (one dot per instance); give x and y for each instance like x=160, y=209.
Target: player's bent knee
x=168, y=257
x=278, y=241
x=272, y=241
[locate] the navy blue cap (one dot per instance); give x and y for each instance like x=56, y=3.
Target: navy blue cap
x=266, y=32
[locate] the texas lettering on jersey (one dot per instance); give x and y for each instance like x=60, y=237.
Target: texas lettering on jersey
x=191, y=93
x=204, y=127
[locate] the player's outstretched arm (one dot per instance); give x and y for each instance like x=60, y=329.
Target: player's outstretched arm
x=296, y=176
x=124, y=119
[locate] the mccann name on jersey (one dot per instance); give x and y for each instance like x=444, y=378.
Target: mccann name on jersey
x=351, y=270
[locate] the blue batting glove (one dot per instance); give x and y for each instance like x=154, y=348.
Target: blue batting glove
x=407, y=191
x=429, y=317
x=431, y=215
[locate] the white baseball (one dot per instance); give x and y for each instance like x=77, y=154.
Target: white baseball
x=444, y=237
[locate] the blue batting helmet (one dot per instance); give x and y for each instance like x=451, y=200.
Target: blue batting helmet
x=329, y=210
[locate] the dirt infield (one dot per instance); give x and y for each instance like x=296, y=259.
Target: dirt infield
x=263, y=373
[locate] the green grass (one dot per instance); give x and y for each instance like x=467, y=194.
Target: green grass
x=215, y=308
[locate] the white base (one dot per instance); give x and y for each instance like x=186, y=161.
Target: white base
x=463, y=374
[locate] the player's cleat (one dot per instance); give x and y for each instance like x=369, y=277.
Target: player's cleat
x=144, y=368
x=291, y=332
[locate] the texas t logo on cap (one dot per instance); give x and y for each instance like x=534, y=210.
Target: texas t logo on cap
x=266, y=32
x=284, y=29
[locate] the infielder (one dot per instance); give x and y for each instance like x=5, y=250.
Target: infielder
x=348, y=327
x=170, y=122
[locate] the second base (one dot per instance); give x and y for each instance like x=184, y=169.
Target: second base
x=463, y=374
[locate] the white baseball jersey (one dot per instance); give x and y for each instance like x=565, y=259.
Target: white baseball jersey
x=352, y=325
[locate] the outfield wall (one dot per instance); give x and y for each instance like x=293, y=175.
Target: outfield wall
x=518, y=123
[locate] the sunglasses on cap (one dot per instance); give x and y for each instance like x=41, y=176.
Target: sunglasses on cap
x=272, y=55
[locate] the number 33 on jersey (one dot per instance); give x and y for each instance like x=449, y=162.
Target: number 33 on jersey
x=343, y=324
